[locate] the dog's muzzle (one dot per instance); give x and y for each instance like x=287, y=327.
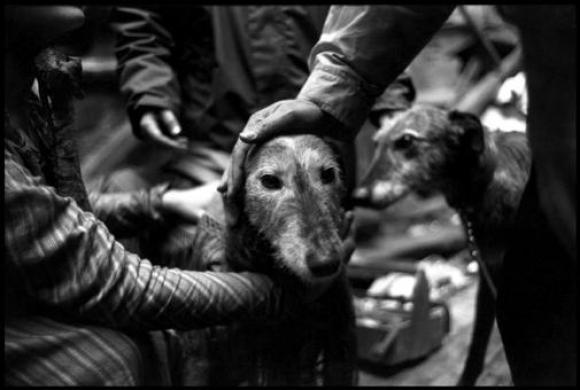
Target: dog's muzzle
x=379, y=194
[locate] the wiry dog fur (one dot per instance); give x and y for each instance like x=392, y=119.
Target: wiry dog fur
x=479, y=172
x=290, y=229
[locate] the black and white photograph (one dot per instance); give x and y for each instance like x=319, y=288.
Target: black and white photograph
x=309, y=195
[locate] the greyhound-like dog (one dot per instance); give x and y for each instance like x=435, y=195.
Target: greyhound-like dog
x=482, y=175
x=292, y=228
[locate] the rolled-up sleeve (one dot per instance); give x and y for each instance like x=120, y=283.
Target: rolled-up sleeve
x=64, y=259
x=362, y=49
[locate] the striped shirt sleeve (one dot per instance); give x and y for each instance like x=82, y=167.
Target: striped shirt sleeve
x=65, y=259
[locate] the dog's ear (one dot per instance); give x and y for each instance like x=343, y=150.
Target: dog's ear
x=341, y=151
x=470, y=127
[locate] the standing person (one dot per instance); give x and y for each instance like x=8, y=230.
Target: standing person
x=361, y=50
x=78, y=306
x=193, y=75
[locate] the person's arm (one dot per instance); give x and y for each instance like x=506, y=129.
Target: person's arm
x=144, y=54
x=65, y=260
x=362, y=49
x=125, y=213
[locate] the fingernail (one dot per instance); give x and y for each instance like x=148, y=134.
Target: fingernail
x=247, y=137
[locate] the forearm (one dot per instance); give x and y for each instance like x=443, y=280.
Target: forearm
x=127, y=213
x=362, y=49
x=66, y=260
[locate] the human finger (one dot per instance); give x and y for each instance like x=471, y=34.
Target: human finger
x=151, y=131
x=285, y=117
x=234, y=175
x=171, y=123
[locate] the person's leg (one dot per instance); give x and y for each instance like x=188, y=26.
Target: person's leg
x=172, y=358
x=548, y=35
x=537, y=301
x=41, y=351
x=536, y=310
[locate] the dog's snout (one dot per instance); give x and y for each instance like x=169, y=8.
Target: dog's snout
x=322, y=266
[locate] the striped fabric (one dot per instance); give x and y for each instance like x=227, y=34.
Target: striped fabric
x=63, y=261
x=39, y=350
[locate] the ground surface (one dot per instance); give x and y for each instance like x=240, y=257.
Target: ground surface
x=443, y=367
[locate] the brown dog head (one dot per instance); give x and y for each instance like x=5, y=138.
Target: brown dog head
x=427, y=149
x=293, y=209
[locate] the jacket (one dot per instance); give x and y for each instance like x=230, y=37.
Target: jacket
x=213, y=66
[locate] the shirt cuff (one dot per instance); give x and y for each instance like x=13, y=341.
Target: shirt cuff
x=340, y=93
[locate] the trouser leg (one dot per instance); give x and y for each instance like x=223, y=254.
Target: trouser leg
x=536, y=310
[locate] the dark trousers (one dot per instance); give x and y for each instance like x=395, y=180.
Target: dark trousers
x=537, y=298
x=536, y=310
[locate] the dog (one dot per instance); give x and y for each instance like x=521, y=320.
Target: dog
x=481, y=174
x=291, y=228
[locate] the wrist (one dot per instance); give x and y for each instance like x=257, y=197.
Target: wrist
x=341, y=94
x=161, y=201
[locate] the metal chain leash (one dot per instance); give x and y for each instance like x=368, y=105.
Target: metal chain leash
x=475, y=253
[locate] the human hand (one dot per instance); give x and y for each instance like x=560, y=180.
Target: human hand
x=161, y=127
x=285, y=117
x=188, y=204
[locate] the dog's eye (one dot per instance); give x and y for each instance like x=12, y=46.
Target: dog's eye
x=404, y=141
x=271, y=182
x=327, y=175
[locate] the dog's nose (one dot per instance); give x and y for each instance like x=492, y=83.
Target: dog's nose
x=320, y=266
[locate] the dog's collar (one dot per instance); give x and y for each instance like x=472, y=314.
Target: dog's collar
x=470, y=200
